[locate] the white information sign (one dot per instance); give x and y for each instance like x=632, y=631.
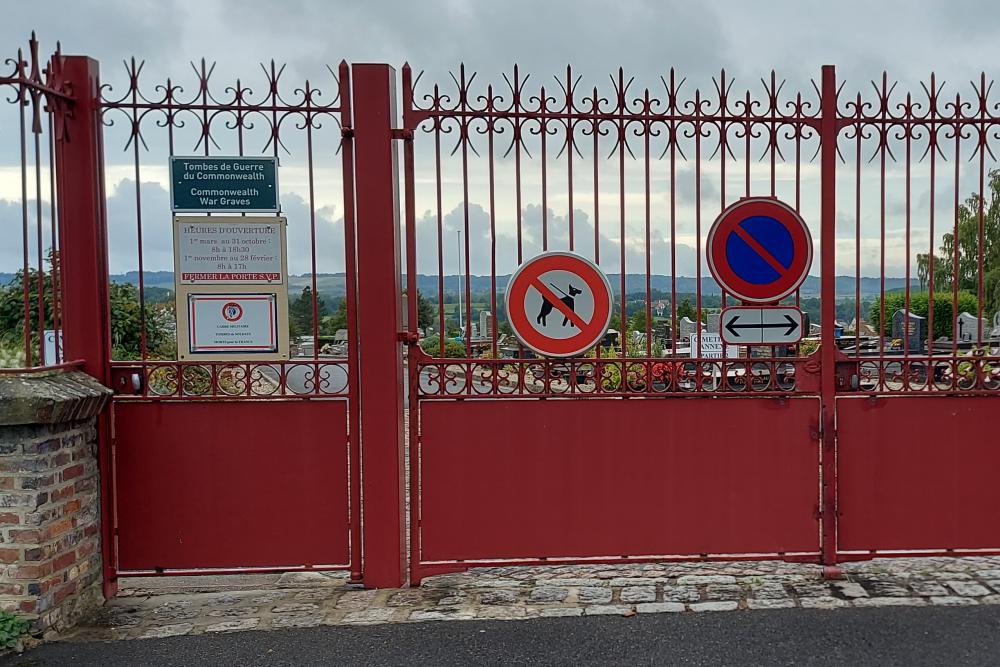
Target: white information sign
x=51, y=349
x=232, y=323
x=711, y=347
x=229, y=251
x=761, y=326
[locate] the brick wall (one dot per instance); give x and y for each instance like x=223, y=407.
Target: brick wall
x=49, y=498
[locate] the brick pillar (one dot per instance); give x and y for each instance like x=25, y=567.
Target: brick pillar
x=50, y=513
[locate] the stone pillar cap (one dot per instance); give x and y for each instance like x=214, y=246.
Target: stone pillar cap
x=50, y=397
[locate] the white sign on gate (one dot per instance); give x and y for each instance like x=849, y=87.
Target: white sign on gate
x=711, y=347
x=771, y=325
x=228, y=323
x=229, y=251
x=51, y=349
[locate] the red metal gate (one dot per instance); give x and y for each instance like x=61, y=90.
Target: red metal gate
x=915, y=439
x=608, y=457
x=234, y=466
x=876, y=443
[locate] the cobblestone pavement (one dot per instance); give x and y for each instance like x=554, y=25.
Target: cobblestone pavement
x=166, y=607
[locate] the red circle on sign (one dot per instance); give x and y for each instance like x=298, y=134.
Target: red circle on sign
x=527, y=276
x=728, y=223
x=232, y=311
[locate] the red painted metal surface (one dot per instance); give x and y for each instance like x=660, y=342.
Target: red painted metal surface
x=828, y=289
x=531, y=480
x=83, y=264
x=231, y=484
x=918, y=473
x=497, y=479
x=379, y=322
x=307, y=126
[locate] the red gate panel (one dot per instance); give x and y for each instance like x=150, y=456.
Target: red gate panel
x=235, y=484
x=577, y=478
x=918, y=473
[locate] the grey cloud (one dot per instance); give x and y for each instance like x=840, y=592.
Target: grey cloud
x=11, y=229
x=480, y=247
x=157, y=239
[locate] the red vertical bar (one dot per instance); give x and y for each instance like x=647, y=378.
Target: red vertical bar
x=83, y=232
x=413, y=376
x=379, y=321
x=350, y=264
x=828, y=220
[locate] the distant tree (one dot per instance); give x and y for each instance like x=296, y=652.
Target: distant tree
x=12, y=314
x=127, y=325
x=338, y=320
x=687, y=309
x=12, y=303
x=300, y=312
x=425, y=312
x=126, y=319
x=966, y=246
x=638, y=321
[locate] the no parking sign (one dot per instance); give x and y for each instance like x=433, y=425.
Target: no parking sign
x=759, y=250
x=559, y=304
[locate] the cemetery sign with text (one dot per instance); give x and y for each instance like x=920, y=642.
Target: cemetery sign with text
x=224, y=184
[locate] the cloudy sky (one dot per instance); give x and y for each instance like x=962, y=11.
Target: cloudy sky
x=957, y=40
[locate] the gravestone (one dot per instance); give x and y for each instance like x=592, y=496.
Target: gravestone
x=486, y=323
x=910, y=327
x=967, y=327
x=661, y=333
x=687, y=328
x=714, y=323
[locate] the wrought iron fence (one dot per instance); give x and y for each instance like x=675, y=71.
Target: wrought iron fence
x=919, y=200
x=630, y=177
x=30, y=288
x=305, y=126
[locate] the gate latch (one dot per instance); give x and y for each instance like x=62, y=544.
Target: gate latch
x=408, y=337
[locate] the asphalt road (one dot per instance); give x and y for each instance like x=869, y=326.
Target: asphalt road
x=883, y=636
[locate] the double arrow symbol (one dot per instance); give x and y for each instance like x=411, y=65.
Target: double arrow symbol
x=789, y=328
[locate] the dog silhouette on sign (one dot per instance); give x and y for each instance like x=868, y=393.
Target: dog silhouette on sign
x=547, y=306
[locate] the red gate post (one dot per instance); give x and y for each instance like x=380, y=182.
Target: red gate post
x=379, y=323
x=83, y=262
x=828, y=312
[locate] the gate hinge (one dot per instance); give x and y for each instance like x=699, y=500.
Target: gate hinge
x=347, y=132
x=410, y=338
x=404, y=134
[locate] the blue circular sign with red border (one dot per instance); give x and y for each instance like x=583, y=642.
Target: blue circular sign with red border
x=759, y=250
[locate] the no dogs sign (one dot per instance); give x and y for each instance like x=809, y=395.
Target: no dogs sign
x=559, y=304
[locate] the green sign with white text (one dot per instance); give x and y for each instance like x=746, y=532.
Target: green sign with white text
x=224, y=184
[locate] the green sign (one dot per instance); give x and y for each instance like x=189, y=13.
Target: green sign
x=224, y=184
